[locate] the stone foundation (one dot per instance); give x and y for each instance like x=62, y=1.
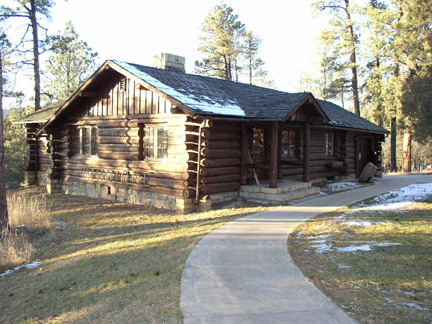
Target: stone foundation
x=116, y=192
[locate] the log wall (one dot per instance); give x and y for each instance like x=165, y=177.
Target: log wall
x=220, y=158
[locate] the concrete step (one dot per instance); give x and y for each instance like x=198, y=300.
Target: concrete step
x=282, y=196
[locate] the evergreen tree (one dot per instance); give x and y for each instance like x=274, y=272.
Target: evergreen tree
x=29, y=10
x=346, y=42
x=220, y=43
x=254, y=65
x=69, y=66
x=230, y=52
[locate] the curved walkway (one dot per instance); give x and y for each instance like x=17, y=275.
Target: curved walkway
x=242, y=272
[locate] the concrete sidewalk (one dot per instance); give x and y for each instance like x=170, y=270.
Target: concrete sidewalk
x=242, y=272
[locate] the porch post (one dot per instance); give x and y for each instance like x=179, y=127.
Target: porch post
x=306, y=151
x=274, y=169
x=244, y=154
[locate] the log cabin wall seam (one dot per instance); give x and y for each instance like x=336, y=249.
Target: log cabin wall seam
x=168, y=139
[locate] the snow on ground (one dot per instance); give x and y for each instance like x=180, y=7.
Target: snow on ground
x=27, y=266
x=392, y=201
x=395, y=201
x=322, y=247
x=340, y=186
x=365, y=223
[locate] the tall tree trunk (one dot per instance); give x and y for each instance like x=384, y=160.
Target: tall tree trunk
x=4, y=219
x=407, y=150
x=353, y=61
x=393, y=145
x=33, y=19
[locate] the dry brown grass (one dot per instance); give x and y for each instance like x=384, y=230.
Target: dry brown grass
x=15, y=249
x=29, y=218
x=107, y=262
x=29, y=211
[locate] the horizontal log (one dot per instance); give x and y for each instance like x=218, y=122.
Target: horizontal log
x=213, y=172
x=219, y=187
x=221, y=178
x=117, y=148
x=223, y=136
x=168, y=191
x=168, y=183
x=137, y=165
x=220, y=153
x=218, y=163
x=118, y=155
x=228, y=127
x=188, y=193
x=222, y=144
x=118, y=140
x=123, y=132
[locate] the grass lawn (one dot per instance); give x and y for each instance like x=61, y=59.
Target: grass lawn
x=376, y=265
x=106, y=262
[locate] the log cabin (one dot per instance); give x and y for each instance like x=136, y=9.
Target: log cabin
x=161, y=137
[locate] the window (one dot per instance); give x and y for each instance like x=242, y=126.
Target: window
x=329, y=138
x=258, y=144
x=156, y=142
x=290, y=144
x=85, y=140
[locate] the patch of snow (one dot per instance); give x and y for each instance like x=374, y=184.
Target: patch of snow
x=395, y=201
x=202, y=103
x=414, y=305
x=60, y=225
x=321, y=248
x=343, y=266
x=408, y=293
x=340, y=186
x=408, y=194
x=354, y=248
x=365, y=223
x=387, y=244
x=358, y=223
x=27, y=266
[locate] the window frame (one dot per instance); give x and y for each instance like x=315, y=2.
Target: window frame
x=153, y=142
x=85, y=144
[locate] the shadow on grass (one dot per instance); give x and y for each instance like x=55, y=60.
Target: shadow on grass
x=112, y=263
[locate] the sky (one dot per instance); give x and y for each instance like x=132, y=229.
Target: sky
x=135, y=30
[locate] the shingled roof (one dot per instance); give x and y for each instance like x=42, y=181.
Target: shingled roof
x=208, y=96
x=42, y=115
x=205, y=95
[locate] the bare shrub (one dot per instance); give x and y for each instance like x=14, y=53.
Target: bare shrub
x=29, y=217
x=15, y=249
x=33, y=212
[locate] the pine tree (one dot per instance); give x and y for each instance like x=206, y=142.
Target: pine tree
x=29, y=11
x=230, y=52
x=346, y=42
x=220, y=43
x=69, y=66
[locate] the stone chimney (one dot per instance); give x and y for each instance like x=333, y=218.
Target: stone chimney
x=169, y=62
